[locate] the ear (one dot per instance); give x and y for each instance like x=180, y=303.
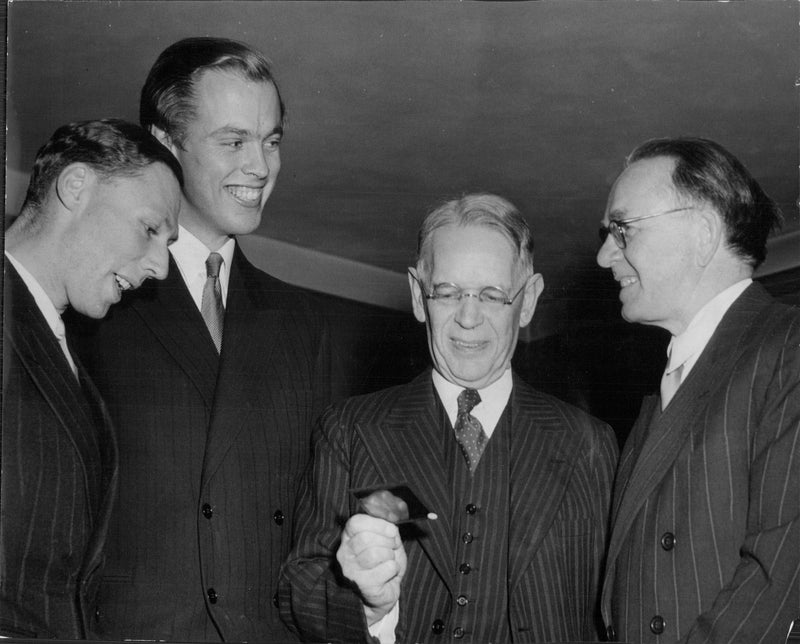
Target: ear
x=710, y=234
x=73, y=184
x=164, y=139
x=533, y=289
x=417, y=298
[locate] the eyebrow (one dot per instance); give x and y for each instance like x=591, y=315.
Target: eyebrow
x=229, y=129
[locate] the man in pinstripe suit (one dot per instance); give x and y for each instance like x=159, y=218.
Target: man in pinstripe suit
x=705, y=543
x=519, y=482
x=101, y=207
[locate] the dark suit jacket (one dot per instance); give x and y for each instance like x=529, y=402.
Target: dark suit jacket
x=706, y=518
x=59, y=465
x=562, y=464
x=211, y=451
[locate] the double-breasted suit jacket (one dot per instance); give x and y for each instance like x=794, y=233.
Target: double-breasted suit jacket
x=212, y=447
x=705, y=543
x=58, y=471
x=560, y=465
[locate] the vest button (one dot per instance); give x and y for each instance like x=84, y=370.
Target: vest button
x=212, y=595
x=668, y=541
x=208, y=511
x=471, y=508
x=437, y=627
x=461, y=600
x=611, y=634
x=657, y=625
x=458, y=632
x=467, y=537
x=464, y=568
x=278, y=517
x=275, y=602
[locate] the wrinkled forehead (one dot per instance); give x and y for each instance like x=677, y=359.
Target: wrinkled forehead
x=471, y=252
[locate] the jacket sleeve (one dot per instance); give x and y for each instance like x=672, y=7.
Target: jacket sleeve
x=763, y=597
x=316, y=602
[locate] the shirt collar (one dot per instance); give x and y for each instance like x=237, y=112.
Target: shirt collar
x=494, y=399
x=190, y=254
x=685, y=349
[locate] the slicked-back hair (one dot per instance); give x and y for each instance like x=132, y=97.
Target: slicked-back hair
x=478, y=209
x=708, y=173
x=111, y=147
x=168, y=95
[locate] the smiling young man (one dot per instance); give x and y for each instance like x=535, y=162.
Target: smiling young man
x=706, y=518
x=213, y=377
x=101, y=208
x=519, y=481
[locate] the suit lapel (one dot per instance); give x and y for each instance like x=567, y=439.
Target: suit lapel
x=407, y=448
x=40, y=353
x=540, y=459
x=670, y=430
x=168, y=310
x=253, y=324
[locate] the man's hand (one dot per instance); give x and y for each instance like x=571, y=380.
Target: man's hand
x=372, y=556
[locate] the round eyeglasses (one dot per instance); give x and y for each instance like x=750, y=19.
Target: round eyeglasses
x=618, y=228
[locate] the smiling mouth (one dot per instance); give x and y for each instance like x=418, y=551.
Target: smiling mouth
x=627, y=281
x=463, y=345
x=246, y=196
x=124, y=285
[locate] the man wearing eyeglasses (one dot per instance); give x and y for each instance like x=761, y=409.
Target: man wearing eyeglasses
x=705, y=543
x=504, y=535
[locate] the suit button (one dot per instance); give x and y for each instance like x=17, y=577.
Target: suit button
x=437, y=627
x=668, y=541
x=467, y=537
x=278, y=517
x=461, y=600
x=471, y=508
x=464, y=569
x=458, y=632
x=611, y=634
x=212, y=595
x=657, y=625
x=208, y=512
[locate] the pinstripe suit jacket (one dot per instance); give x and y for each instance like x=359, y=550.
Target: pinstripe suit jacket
x=706, y=516
x=57, y=479
x=211, y=451
x=561, y=469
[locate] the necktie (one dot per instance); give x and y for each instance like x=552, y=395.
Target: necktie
x=469, y=433
x=670, y=382
x=211, y=307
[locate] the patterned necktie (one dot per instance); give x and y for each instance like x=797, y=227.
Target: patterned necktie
x=670, y=382
x=211, y=307
x=469, y=433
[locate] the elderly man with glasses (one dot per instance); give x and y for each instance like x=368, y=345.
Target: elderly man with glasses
x=705, y=542
x=464, y=504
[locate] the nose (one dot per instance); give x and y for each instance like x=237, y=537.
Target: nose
x=608, y=253
x=255, y=163
x=157, y=260
x=469, y=313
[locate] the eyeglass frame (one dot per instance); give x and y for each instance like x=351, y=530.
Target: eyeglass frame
x=462, y=292
x=616, y=227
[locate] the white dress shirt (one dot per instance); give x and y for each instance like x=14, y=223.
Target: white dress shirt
x=685, y=349
x=51, y=315
x=190, y=255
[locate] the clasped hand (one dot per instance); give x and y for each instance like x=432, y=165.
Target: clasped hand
x=372, y=556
